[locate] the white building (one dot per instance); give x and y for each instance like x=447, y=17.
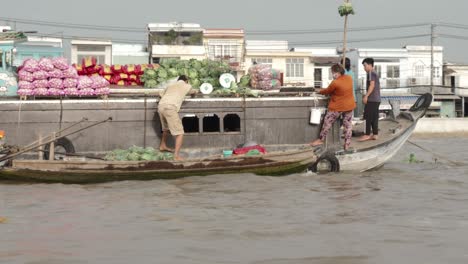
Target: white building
x=100, y=49
x=294, y=65
x=175, y=40
x=321, y=60
x=408, y=66
x=129, y=54
x=226, y=45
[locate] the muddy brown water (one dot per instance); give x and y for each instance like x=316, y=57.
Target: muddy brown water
x=402, y=213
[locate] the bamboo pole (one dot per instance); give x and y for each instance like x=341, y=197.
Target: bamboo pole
x=51, y=140
x=344, y=38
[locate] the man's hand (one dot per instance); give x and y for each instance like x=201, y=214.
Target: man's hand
x=364, y=99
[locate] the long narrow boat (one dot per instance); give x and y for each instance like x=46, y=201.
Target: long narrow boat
x=279, y=160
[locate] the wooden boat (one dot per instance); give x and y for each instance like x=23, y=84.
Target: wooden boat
x=279, y=160
x=394, y=131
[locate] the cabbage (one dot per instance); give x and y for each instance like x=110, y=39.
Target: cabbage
x=244, y=81
x=162, y=73
x=173, y=72
x=192, y=74
x=195, y=83
x=151, y=83
x=150, y=73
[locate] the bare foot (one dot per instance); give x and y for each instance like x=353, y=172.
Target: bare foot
x=364, y=138
x=316, y=142
x=178, y=158
x=166, y=149
x=375, y=137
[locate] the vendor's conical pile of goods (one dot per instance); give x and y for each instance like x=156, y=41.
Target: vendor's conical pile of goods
x=122, y=75
x=263, y=77
x=197, y=71
x=55, y=77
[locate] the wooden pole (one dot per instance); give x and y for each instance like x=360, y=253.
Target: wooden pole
x=52, y=148
x=344, y=38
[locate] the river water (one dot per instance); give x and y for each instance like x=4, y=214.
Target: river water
x=402, y=213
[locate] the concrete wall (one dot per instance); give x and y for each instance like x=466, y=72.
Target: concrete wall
x=266, y=121
x=442, y=125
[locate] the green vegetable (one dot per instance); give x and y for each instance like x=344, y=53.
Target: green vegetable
x=346, y=9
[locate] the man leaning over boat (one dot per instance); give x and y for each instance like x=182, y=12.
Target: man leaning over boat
x=168, y=109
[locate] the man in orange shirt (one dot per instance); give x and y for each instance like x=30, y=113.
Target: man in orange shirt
x=342, y=103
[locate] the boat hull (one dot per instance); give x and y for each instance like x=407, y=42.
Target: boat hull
x=101, y=171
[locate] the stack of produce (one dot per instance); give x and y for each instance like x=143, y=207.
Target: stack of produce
x=263, y=77
x=197, y=71
x=55, y=77
x=122, y=75
x=138, y=153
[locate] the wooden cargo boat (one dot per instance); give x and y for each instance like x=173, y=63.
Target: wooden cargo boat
x=280, y=159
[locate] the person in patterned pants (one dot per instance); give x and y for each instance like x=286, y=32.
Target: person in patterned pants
x=342, y=103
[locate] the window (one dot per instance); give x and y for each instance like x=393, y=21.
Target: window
x=220, y=51
x=190, y=123
x=211, y=123
x=267, y=61
x=378, y=70
x=91, y=48
x=419, y=70
x=295, y=67
x=231, y=123
x=393, y=71
x=436, y=72
x=318, y=78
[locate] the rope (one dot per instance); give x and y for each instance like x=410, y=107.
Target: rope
x=456, y=163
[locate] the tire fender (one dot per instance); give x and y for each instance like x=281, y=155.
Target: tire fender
x=64, y=142
x=330, y=158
